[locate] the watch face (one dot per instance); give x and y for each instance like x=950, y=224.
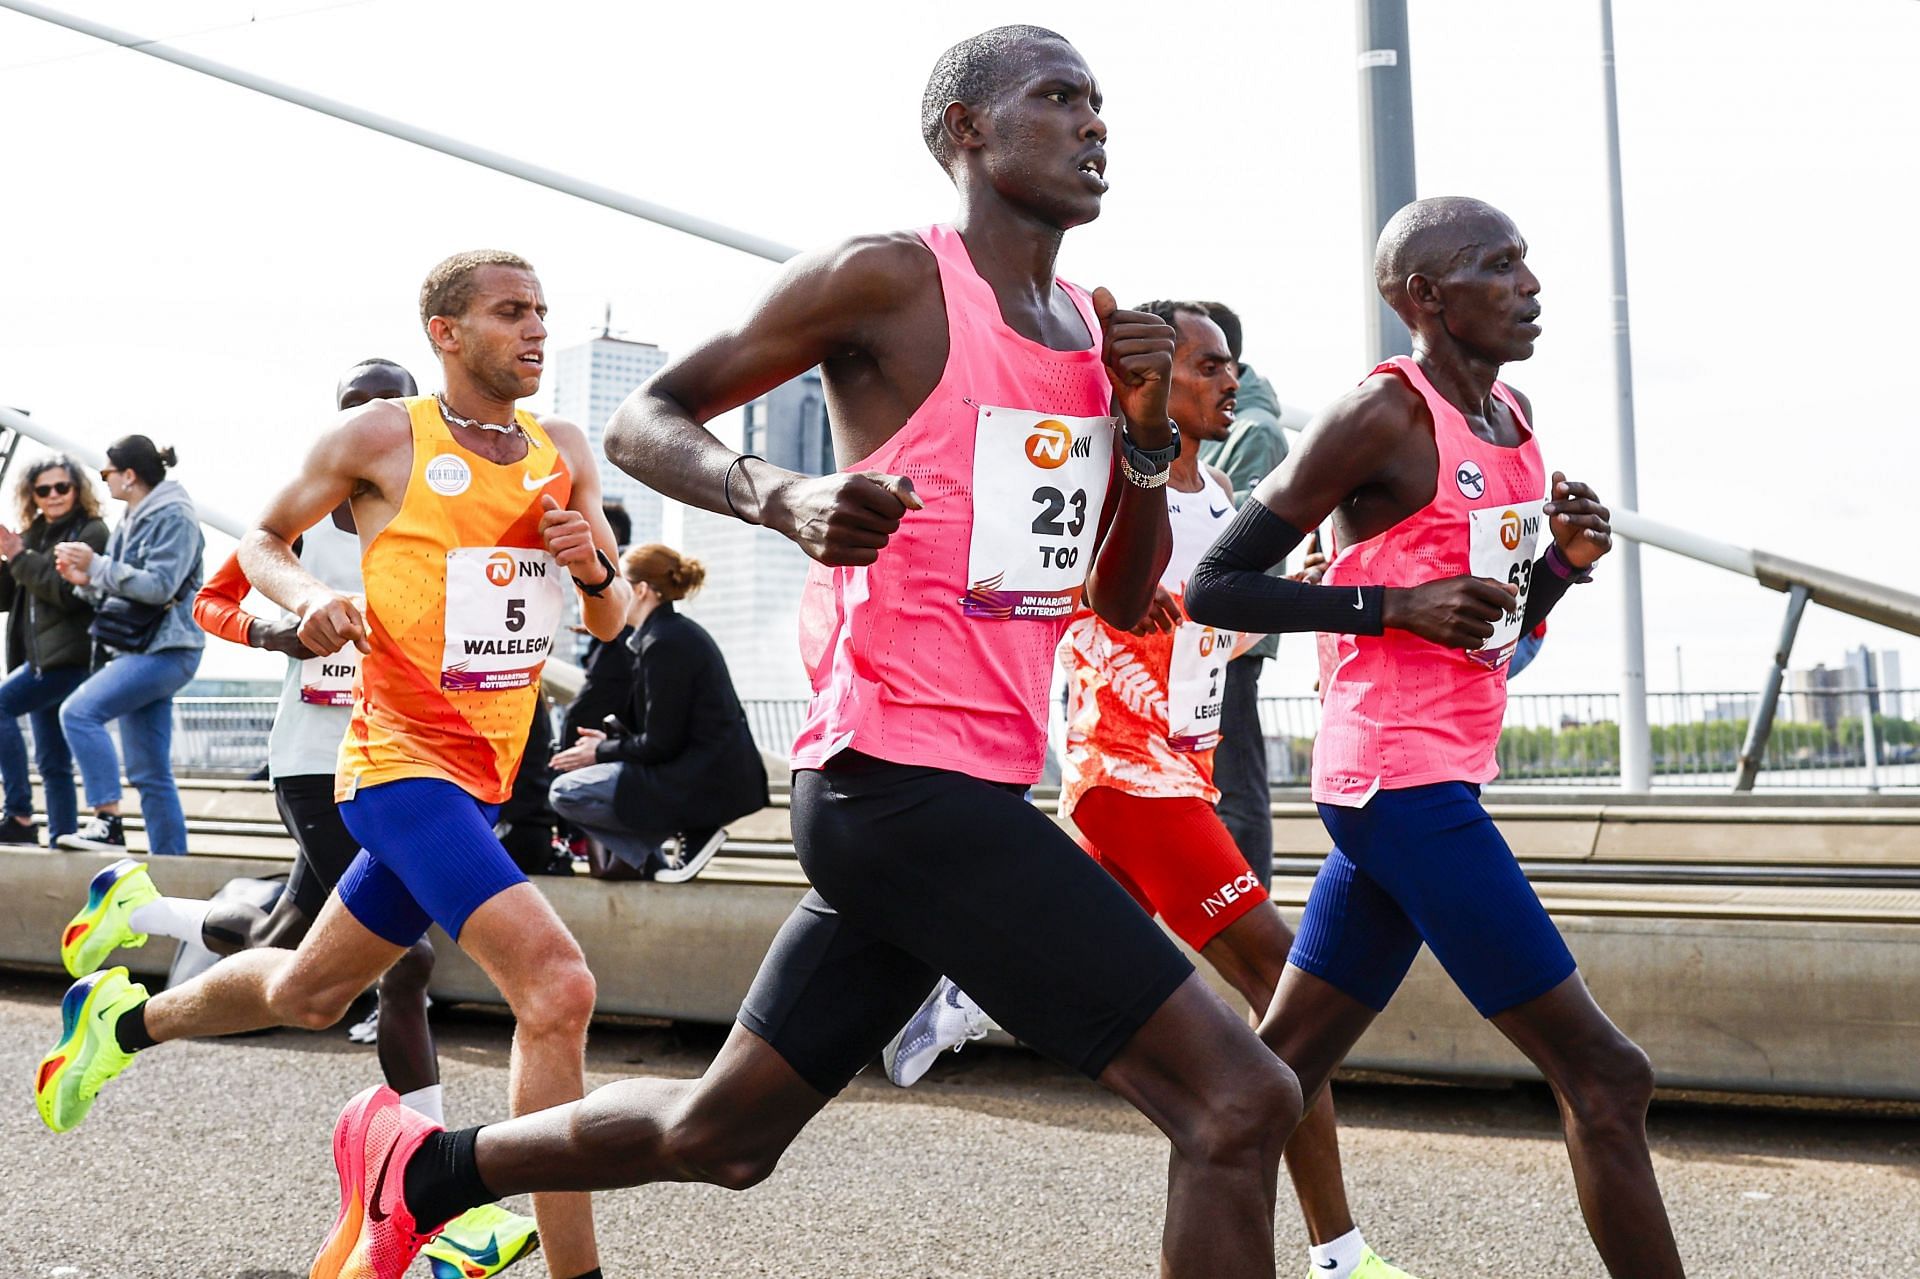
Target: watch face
x=1152, y=461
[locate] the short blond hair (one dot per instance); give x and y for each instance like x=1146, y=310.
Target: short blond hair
x=449, y=288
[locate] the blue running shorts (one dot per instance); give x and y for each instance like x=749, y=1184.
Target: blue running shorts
x=1426, y=864
x=427, y=855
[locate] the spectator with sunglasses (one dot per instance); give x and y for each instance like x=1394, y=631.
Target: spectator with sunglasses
x=49, y=652
x=142, y=590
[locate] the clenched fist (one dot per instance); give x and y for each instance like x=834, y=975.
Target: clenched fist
x=1138, y=351
x=1579, y=523
x=844, y=518
x=566, y=533
x=1458, y=612
x=330, y=621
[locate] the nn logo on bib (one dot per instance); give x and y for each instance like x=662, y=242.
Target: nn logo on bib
x=1052, y=443
x=1510, y=530
x=502, y=568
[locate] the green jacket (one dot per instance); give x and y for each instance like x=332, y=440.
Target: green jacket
x=47, y=620
x=1254, y=447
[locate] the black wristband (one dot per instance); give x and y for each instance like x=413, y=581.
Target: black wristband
x=726, y=484
x=1561, y=569
x=599, y=588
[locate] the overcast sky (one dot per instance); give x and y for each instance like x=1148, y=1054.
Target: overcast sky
x=187, y=259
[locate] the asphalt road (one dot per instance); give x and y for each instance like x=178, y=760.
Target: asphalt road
x=211, y=1159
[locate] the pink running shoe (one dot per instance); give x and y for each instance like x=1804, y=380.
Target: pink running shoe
x=374, y=1237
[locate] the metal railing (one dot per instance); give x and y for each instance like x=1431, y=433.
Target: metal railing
x=1822, y=739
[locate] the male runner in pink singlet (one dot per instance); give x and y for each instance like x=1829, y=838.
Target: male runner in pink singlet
x=986, y=492
x=1448, y=546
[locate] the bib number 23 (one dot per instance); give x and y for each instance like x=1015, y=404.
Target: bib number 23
x=1039, y=483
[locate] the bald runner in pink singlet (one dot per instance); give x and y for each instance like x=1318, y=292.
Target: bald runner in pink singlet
x=1399, y=710
x=1451, y=543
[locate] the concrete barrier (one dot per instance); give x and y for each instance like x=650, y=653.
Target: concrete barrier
x=1726, y=989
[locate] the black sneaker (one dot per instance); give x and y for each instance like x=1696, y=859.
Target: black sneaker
x=697, y=848
x=12, y=832
x=102, y=833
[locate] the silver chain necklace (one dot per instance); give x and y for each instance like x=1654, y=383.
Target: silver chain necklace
x=454, y=419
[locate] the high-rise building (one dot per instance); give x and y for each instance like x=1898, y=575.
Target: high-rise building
x=1818, y=695
x=1891, y=701
x=751, y=602
x=589, y=383
x=788, y=426
x=1878, y=672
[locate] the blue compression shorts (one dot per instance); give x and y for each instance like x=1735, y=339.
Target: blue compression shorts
x=1426, y=864
x=427, y=855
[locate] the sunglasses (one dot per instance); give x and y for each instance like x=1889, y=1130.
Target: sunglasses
x=60, y=487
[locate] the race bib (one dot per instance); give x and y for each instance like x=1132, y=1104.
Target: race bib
x=1500, y=545
x=1039, y=483
x=328, y=681
x=503, y=606
x=1196, y=685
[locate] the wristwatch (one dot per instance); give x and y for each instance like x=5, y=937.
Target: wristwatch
x=1148, y=468
x=598, y=588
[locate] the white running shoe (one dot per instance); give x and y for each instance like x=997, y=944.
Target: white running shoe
x=949, y=1019
x=367, y=1029
x=697, y=848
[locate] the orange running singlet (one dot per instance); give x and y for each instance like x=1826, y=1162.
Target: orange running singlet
x=462, y=604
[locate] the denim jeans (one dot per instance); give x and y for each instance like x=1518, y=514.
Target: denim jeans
x=585, y=798
x=137, y=689
x=37, y=695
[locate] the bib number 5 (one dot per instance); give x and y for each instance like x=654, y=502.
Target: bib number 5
x=503, y=606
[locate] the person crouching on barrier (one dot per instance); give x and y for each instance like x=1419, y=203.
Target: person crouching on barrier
x=686, y=763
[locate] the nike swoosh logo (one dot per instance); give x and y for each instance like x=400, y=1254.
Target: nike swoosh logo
x=488, y=1256
x=1217, y=514
x=1359, y=598
x=530, y=484
x=374, y=1210
x=1327, y=1265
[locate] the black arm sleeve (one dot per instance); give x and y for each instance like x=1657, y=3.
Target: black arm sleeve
x=1230, y=587
x=1551, y=578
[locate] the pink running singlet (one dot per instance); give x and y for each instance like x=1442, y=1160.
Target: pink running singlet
x=939, y=653
x=1400, y=711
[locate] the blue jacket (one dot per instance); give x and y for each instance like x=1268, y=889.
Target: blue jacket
x=154, y=551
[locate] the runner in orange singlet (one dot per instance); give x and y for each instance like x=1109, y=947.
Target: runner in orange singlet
x=475, y=519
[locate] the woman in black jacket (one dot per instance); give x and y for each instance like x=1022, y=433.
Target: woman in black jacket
x=49, y=652
x=688, y=765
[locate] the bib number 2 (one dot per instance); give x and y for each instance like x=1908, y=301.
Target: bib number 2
x=1039, y=482
x=503, y=606
x=1196, y=685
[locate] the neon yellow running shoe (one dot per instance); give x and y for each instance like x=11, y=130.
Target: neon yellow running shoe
x=88, y=1055
x=1372, y=1267
x=480, y=1242
x=101, y=926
